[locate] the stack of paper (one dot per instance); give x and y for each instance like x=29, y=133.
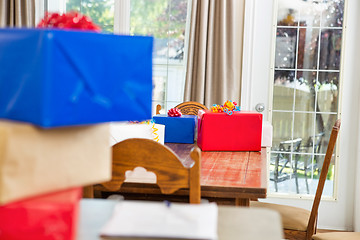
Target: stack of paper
x=162, y=220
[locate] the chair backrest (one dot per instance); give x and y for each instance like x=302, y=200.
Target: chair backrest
x=290, y=145
x=171, y=173
x=190, y=108
x=324, y=171
x=186, y=108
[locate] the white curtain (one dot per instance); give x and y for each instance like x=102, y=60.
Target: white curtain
x=17, y=13
x=215, y=51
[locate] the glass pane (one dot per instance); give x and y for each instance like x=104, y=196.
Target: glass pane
x=172, y=104
x=149, y=17
x=161, y=49
x=305, y=92
x=330, y=49
x=333, y=14
x=329, y=182
x=282, y=126
x=73, y=5
x=324, y=124
x=280, y=173
x=285, y=48
x=327, y=92
x=310, y=13
x=304, y=130
x=100, y=11
x=308, y=48
x=152, y=18
x=301, y=165
x=166, y=21
x=159, y=81
x=312, y=174
x=176, y=34
x=287, y=15
x=283, y=97
x=107, y=29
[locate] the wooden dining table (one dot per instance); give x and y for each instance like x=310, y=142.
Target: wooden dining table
x=227, y=178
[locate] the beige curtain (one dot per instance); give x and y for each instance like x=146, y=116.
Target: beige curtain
x=215, y=51
x=17, y=13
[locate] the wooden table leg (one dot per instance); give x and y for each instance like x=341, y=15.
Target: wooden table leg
x=88, y=192
x=244, y=202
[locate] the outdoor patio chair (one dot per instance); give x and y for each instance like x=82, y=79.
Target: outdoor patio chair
x=310, y=163
x=283, y=169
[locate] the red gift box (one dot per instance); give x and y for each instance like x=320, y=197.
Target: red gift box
x=240, y=131
x=52, y=217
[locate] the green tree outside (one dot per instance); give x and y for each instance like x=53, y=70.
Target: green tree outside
x=100, y=11
x=160, y=18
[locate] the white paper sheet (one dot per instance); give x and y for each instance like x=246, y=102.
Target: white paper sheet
x=158, y=219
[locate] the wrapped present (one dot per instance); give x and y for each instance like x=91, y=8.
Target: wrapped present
x=266, y=137
x=46, y=217
x=150, y=130
x=35, y=160
x=179, y=129
x=219, y=131
x=57, y=78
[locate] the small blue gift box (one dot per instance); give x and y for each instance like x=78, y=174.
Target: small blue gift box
x=57, y=78
x=178, y=129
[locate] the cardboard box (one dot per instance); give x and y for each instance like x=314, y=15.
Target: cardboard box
x=178, y=129
x=46, y=217
x=57, y=78
x=34, y=161
x=121, y=131
x=240, y=131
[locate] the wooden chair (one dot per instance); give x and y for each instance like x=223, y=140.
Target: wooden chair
x=299, y=223
x=170, y=172
x=337, y=236
x=186, y=108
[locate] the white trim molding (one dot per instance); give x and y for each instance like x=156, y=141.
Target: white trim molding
x=249, y=22
x=122, y=17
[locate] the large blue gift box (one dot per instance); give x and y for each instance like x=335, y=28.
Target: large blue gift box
x=177, y=129
x=57, y=78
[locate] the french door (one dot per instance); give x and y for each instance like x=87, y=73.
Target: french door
x=292, y=67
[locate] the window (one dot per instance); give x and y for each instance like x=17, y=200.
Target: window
x=305, y=92
x=166, y=20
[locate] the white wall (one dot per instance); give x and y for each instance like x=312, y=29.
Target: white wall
x=333, y=214
x=352, y=102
